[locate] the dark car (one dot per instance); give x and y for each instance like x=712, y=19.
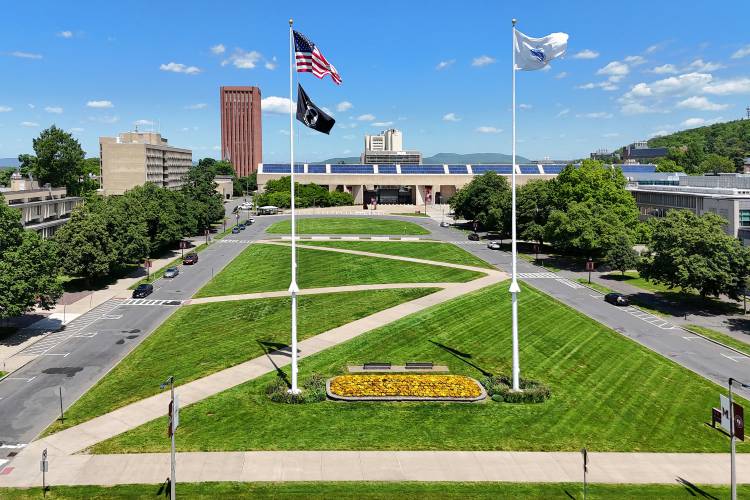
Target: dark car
x=242, y=227
x=616, y=299
x=143, y=290
x=190, y=259
x=474, y=237
x=235, y=230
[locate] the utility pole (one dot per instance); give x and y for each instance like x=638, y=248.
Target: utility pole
x=173, y=422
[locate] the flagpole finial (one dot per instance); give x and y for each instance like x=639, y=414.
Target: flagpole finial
x=514, y=21
x=291, y=21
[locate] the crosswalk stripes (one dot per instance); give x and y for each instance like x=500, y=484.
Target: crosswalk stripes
x=151, y=302
x=567, y=282
x=72, y=329
x=539, y=276
x=649, y=318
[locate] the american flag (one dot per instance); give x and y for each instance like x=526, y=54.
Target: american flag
x=310, y=60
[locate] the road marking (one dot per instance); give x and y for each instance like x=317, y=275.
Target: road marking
x=12, y=446
x=112, y=316
x=649, y=318
x=567, y=282
x=152, y=302
x=20, y=378
x=691, y=338
x=729, y=357
x=595, y=296
x=539, y=276
x=86, y=335
x=65, y=355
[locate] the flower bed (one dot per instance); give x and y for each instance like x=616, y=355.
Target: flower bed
x=405, y=387
x=499, y=388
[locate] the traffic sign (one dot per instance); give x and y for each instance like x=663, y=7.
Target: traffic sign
x=147, y=263
x=183, y=244
x=589, y=265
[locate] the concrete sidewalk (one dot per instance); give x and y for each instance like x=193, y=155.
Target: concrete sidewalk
x=533, y=467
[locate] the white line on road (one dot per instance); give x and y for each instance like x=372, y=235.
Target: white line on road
x=65, y=355
x=20, y=378
x=733, y=358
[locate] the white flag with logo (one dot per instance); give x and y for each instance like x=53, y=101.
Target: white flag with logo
x=536, y=53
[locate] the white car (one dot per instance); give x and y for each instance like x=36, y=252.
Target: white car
x=493, y=245
x=246, y=206
x=445, y=224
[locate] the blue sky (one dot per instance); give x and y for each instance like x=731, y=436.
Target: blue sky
x=439, y=71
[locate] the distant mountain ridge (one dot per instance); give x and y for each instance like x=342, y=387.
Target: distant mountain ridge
x=449, y=158
x=8, y=162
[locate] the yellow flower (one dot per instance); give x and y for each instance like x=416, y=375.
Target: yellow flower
x=406, y=385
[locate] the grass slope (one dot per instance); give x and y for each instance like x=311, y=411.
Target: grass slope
x=262, y=268
x=202, y=339
x=347, y=225
x=440, y=252
x=378, y=491
x=608, y=392
x=723, y=338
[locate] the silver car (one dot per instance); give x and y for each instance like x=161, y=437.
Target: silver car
x=171, y=272
x=493, y=245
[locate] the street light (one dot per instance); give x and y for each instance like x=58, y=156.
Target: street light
x=731, y=435
x=172, y=415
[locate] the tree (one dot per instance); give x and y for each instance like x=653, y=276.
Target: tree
x=713, y=163
x=28, y=267
x=532, y=210
x=86, y=247
x=203, y=201
x=246, y=184
x=584, y=228
x=667, y=165
x=486, y=200
x=693, y=252
x=159, y=212
x=59, y=159
x=5, y=174
x=620, y=255
x=278, y=193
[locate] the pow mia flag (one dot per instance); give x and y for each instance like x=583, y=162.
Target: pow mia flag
x=311, y=115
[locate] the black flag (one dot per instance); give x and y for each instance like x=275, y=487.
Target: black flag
x=311, y=115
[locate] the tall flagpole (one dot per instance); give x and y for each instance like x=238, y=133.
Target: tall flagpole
x=293, y=289
x=514, y=288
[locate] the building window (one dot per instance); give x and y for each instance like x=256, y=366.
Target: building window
x=745, y=218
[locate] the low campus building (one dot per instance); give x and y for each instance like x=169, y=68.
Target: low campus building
x=43, y=209
x=133, y=158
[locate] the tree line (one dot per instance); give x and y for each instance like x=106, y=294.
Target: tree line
x=279, y=194
x=586, y=211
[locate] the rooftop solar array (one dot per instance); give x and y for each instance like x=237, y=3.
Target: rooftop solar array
x=387, y=169
x=637, y=168
x=316, y=169
x=352, y=169
x=529, y=169
x=552, y=169
x=458, y=169
x=273, y=168
x=422, y=169
x=498, y=169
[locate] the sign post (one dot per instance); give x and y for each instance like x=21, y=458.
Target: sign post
x=44, y=467
x=183, y=246
x=733, y=419
x=589, y=267
x=147, y=265
x=585, y=470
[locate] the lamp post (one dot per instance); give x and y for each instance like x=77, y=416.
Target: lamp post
x=172, y=416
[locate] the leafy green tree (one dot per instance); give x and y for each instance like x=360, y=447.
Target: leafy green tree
x=584, y=228
x=278, y=193
x=620, y=255
x=694, y=253
x=245, y=184
x=667, y=165
x=86, y=247
x=224, y=167
x=487, y=200
x=59, y=159
x=28, y=267
x=203, y=201
x=713, y=163
x=157, y=209
x=5, y=174
x=532, y=210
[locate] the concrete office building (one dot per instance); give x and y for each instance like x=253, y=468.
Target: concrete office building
x=640, y=151
x=43, y=209
x=133, y=158
x=241, y=132
x=388, y=147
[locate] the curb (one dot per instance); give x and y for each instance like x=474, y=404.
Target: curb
x=714, y=341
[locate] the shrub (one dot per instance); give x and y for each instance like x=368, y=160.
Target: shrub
x=499, y=388
x=313, y=390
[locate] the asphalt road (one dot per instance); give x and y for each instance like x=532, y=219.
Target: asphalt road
x=81, y=354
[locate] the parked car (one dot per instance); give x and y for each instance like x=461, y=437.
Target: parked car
x=493, y=245
x=474, y=237
x=190, y=259
x=617, y=299
x=246, y=206
x=236, y=230
x=171, y=272
x=143, y=290
x=250, y=221
x=242, y=227
x=445, y=224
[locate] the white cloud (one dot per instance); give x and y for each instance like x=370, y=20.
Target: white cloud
x=65, y=34
x=674, y=85
x=735, y=86
x=546, y=68
x=562, y=112
x=484, y=129
x=705, y=66
x=25, y=55
x=525, y=106
x=562, y=74
x=5, y=109
x=143, y=122
x=586, y=54
x=445, y=64
x=275, y=104
x=366, y=117
x=344, y=106
x=659, y=133
x=701, y=103
x=635, y=60
x=653, y=48
x=606, y=85
x=29, y=124
x=218, y=49
x=53, y=109
x=100, y=104
x=742, y=52
x=31, y=106
x=665, y=69
x=482, y=61
x=180, y=68
x=693, y=122
x=598, y=114
x=451, y=117
x=243, y=60
x=615, y=68
x=199, y=105
x=271, y=64
x=381, y=124
x=635, y=108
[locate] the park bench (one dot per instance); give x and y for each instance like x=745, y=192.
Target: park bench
x=376, y=366
x=418, y=365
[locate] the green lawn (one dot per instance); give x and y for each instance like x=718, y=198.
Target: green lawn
x=261, y=268
x=440, y=252
x=347, y=225
x=596, y=286
x=608, y=392
x=202, y=339
x=2, y=373
x=723, y=338
x=411, y=214
x=634, y=279
x=379, y=491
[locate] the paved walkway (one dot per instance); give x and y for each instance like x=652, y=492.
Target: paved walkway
x=62, y=445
